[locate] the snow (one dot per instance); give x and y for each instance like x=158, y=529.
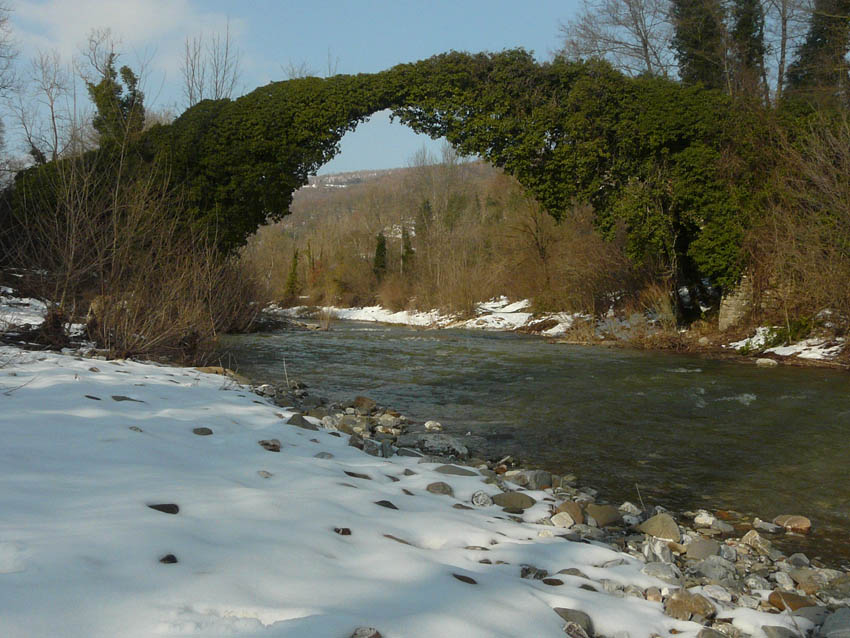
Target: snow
x=18, y=311
x=815, y=348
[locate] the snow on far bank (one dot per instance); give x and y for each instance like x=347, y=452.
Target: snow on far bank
x=17, y=311
x=814, y=348
x=314, y=540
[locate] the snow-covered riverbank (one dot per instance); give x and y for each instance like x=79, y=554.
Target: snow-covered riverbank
x=316, y=539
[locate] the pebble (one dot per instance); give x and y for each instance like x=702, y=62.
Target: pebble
x=202, y=431
x=481, y=499
x=168, y=559
x=440, y=487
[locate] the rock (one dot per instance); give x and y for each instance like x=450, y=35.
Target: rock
x=342, y=531
x=465, y=579
x=653, y=594
x=722, y=527
x=762, y=546
x=168, y=559
x=666, y=572
x=387, y=449
x=165, y=508
x=574, y=630
x=455, y=470
x=756, y=582
x=435, y=443
x=630, y=508
x=366, y=632
x=817, y=615
x=372, y=447
x=764, y=362
x=837, y=625
x=386, y=504
x=708, y=632
x=702, y=548
x=531, y=572
x=358, y=475
x=272, y=445
x=573, y=509
x=794, y=523
x=682, y=605
x=135, y=428
x=433, y=426
x=717, y=570
x=764, y=526
x=775, y=631
x=799, y=560
x=264, y=474
x=355, y=440
x=299, y=421
x=782, y=600
x=729, y=553
x=604, y=515
x=323, y=455
x=439, y=487
x=364, y=405
x=202, y=431
x=784, y=581
x=704, y=519
x=837, y=592
x=538, y=479
x=575, y=616
x=553, y=582
x=661, y=526
x=265, y=390
x=586, y=531
x=657, y=550
x=716, y=592
x=562, y=519
x=481, y=499
x=808, y=579
x=517, y=500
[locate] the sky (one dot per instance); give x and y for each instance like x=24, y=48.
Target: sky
x=343, y=36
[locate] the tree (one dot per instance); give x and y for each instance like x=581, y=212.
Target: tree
x=292, y=287
x=634, y=35
x=406, y=251
x=8, y=53
x=379, y=265
x=210, y=70
x=699, y=42
x=820, y=68
x=120, y=115
x=749, y=76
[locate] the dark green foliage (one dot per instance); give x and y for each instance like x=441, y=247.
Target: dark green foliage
x=820, y=70
x=747, y=45
x=293, y=287
x=120, y=109
x=406, y=252
x=698, y=41
x=379, y=265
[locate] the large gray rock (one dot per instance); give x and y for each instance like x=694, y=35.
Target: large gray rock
x=837, y=625
x=538, y=479
x=683, y=605
x=517, y=500
x=435, y=443
x=661, y=526
x=702, y=548
x=666, y=572
x=717, y=570
x=604, y=515
x=837, y=592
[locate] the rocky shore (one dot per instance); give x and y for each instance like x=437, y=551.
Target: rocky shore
x=712, y=563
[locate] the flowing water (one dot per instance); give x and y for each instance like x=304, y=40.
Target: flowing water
x=686, y=432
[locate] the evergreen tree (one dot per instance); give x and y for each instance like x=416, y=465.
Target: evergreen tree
x=699, y=42
x=748, y=45
x=292, y=287
x=821, y=66
x=380, y=264
x=406, y=251
x=120, y=114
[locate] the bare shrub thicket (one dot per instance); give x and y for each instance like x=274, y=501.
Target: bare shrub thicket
x=473, y=234
x=801, y=249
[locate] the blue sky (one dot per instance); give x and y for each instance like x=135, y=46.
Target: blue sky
x=357, y=37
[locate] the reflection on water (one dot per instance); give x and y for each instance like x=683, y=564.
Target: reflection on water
x=689, y=432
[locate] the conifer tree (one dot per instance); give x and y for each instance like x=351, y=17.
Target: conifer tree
x=748, y=46
x=292, y=287
x=379, y=266
x=120, y=115
x=406, y=251
x=698, y=41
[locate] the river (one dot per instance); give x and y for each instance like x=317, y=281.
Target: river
x=686, y=432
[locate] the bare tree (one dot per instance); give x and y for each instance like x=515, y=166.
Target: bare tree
x=634, y=35
x=8, y=53
x=210, y=69
x=294, y=70
x=786, y=22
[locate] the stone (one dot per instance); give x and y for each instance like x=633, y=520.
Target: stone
x=366, y=632
x=465, y=579
x=729, y=553
x=518, y=500
x=604, y=515
x=342, y=531
x=264, y=474
x=372, y=447
x=358, y=475
x=704, y=519
x=657, y=550
x=165, y=508
x=716, y=592
x=683, y=605
x=575, y=616
x=764, y=362
x=776, y=631
x=630, y=508
x=666, y=572
x=119, y=398
x=754, y=539
x=355, y=440
x=573, y=509
x=562, y=519
x=782, y=600
x=439, y=487
x=653, y=595
x=794, y=523
x=272, y=445
x=722, y=527
x=756, y=582
x=168, y=559
x=538, y=479
x=799, y=560
x=299, y=421
x=764, y=526
x=435, y=443
x=455, y=470
x=784, y=581
x=817, y=615
x=531, y=572
x=708, y=632
x=808, y=579
x=364, y=405
x=553, y=582
x=837, y=592
x=716, y=570
x=136, y=428
x=837, y=625
x=661, y=526
x=323, y=455
x=386, y=504
x=202, y=431
x=481, y=499
x=574, y=630
x=433, y=426
x=702, y=548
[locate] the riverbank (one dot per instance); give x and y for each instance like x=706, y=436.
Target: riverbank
x=501, y=314
x=198, y=508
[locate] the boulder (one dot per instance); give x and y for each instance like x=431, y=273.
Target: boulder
x=837, y=625
x=573, y=509
x=604, y=515
x=683, y=605
x=517, y=500
x=435, y=443
x=702, y=548
x=717, y=570
x=661, y=526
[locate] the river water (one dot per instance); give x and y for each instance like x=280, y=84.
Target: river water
x=686, y=432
